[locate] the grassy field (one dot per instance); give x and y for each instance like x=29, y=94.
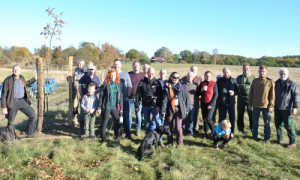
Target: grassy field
x=71, y=158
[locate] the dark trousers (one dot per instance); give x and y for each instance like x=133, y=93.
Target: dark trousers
x=241, y=105
x=216, y=139
x=117, y=126
x=24, y=107
x=178, y=123
x=215, y=112
x=196, y=113
x=207, y=117
x=285, y=117
x=231, y=111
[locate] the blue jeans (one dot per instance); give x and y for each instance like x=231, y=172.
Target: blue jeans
x=137, y=114
x=126, y=119
x=155, y=118
x=255, y=119
x=189, y=120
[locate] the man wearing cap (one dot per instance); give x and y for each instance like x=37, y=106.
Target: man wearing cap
x=85, y=80
x=127, y=88
x=244, y=82
x=77, y=74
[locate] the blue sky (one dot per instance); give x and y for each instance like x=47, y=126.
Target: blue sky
x=249, y=28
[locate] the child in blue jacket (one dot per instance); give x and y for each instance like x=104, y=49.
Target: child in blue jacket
x=222, y=133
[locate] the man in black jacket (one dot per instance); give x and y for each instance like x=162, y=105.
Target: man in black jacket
x=15, y=98
x=149, y=91
x=227, y=89
x=286, y=105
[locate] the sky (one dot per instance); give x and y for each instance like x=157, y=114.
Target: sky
x=253, y=28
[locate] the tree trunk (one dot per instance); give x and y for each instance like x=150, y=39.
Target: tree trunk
x=70, y=78
x=41, y=93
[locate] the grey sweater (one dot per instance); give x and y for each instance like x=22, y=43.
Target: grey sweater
x=89, y=102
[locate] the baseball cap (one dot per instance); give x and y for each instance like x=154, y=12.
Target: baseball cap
x=91, y=67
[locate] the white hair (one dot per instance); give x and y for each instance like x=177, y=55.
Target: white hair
x=191, y=68
x=161, y=70
x=226, y=68
x=283, y=69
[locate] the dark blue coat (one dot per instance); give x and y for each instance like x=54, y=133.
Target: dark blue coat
x=224, y=85
x=286, y=94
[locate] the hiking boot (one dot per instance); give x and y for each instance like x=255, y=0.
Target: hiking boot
x=255, y=139
x=280, y=142
x=30, y=136
x=206, y=136
x=161, y=143
x=224, y=145
x=291, y=146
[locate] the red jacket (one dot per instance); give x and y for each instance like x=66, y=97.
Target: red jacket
x=210, y=95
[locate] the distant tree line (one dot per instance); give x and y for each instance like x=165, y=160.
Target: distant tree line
x=103, y=56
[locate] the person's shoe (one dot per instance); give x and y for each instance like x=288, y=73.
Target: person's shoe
x=224, y=145
x=216, y=146
x=292, y=146
x=30, y=136
x=161, y=143
x=254, y=139
x=138, y=133
x=267, y=142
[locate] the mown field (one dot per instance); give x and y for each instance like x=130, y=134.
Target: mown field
x=53, y=156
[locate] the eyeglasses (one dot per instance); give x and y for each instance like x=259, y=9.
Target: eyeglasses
x=175, y=77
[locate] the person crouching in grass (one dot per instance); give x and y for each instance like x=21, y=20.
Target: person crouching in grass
x=222, y=133
x=89, y=105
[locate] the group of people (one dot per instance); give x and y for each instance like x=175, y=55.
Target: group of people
x=166, y=101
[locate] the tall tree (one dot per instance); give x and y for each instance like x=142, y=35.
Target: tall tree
x=216, y=57
x=88, y=51
x=143, y=55
x=166, y=53
x=0, y=53
x=108, y=53
x=186, y=56
x=23, y=52
x=133, y=54
x=197, y=56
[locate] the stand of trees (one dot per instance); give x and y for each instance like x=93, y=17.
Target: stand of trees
x=103, y=56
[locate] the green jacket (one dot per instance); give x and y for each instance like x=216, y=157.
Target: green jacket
x=244, y=83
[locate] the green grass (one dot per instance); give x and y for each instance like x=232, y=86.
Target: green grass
x=197, y=159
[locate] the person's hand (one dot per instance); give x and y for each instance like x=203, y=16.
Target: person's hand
x=249, y=107
x=99, y=111
x=92, y=111
x=87, y=111
x=209, y=107
x=35, y=76
x=121, y=111
x=202, y=89
x=137, y=109
x=231, y=93
x=294, y=111
x=4, y=111
x=226, y=136
x=270, y=109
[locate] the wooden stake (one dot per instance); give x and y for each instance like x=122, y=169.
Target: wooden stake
x=41, y=93
x=70, y=78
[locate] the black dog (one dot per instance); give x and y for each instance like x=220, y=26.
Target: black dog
x=152, y=138
x=7, y=134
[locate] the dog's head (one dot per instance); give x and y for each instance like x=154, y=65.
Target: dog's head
x=165, y=129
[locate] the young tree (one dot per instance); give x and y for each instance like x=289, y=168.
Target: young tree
x=52, y=30
x=216, y=57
